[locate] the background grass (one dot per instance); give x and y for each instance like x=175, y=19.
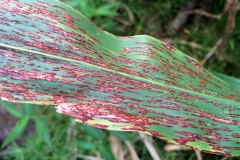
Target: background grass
x=52, y=136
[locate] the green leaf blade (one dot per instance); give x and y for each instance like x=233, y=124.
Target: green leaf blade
x=16, y=132
x=106, y=152
x=42, y=130
x=120, y=135
x=27, y=109
x=86, y=145
x=234, y=82
x=12, y=109
x=93, y=132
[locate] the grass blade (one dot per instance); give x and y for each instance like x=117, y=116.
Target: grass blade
x=93, y=132
x=16, y=132
x=11, y=109
x=27, y=109
x=120, y=135
x=42, y=130
x=234, y=82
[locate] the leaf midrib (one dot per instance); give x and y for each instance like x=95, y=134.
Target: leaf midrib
x=117, y=72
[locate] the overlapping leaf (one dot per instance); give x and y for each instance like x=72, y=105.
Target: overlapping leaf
x=51, y=54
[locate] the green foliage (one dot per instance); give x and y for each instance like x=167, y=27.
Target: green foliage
x=120, y=135
x=12, y=109
x=27, y=109
x=17, y=131
x=92, y=8
x=25, y=115
x=93, y=132
x=234, y=82
x=86, y=145
x=42, y=130
x=104, y=150
x=101, y=11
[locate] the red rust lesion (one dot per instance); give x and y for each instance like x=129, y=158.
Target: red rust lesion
x=195, y=64
x=203, y=83
x=126, y=50
x=215, y=118
x=26, y=75
x=168, y=47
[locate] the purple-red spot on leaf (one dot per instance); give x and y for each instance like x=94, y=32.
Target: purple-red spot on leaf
x=195, y=64
x=126, y=50
x=168, y=47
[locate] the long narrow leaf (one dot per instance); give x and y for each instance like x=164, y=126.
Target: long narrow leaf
x=51, y=54
x=27, y=109
x=42, y=130
x=17, y=131
x=12, y=109
x=93, y=132
x=232, y=81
